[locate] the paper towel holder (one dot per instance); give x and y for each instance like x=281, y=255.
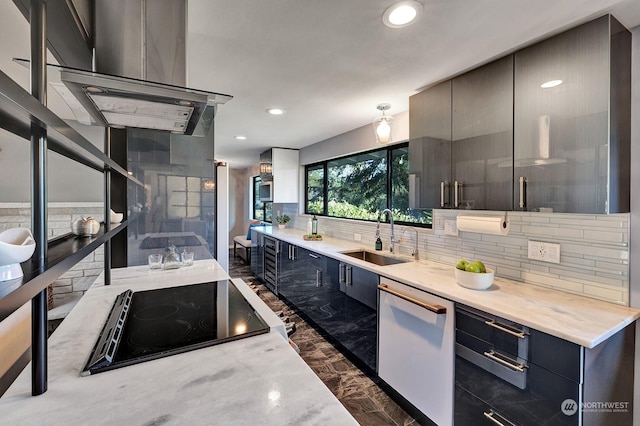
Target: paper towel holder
x=486, y=224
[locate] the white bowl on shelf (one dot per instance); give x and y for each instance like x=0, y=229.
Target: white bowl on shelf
x=475, y=280
x=16, y=246
x=115, y=217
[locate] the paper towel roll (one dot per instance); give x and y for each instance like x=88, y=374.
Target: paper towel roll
x=495, y=225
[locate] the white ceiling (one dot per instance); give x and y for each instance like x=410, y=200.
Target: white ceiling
x=330, y=62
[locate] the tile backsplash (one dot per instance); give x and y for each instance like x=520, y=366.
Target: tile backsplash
x=76, y=281
x=594, y=249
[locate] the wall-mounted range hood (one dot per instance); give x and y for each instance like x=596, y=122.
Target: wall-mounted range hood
x=122, y=102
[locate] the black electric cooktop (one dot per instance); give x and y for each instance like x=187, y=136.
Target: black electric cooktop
x=152, y=324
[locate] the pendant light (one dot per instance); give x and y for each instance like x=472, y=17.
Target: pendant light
x=382, y=125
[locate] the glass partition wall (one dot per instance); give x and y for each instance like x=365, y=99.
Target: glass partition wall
x=176, y=205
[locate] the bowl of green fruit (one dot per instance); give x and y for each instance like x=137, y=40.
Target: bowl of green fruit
x=474, y=275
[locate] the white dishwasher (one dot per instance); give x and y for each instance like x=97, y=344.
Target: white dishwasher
x=416, y=339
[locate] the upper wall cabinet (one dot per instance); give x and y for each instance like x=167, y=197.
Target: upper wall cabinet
x=545, y=129
x=430, y=147
x=572, y=121
x=461, y=140
x=284, y=172
x=482, y=134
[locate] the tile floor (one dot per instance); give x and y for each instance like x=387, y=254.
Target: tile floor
x=365, y=400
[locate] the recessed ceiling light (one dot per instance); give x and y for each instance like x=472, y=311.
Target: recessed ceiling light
x=241, y=138
x=401, y=14
x=551, y=83
x=275, y=111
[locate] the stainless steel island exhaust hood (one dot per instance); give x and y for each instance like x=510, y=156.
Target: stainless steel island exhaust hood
x=122, y=102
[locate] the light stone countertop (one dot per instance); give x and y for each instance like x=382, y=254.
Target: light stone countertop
x=256, y=380
x=578, y=319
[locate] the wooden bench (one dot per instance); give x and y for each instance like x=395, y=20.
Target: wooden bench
x=241, y=240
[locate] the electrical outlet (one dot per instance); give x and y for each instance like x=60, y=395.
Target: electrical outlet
x=450, y=228
x=357, y=237
x=546, y=252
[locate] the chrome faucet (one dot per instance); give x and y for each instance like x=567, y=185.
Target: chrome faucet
x=391, y=239
x=415, y=248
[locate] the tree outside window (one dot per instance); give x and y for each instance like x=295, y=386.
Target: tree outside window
x=361, y=186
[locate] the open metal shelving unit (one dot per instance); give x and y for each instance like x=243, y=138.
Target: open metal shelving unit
x=23, y=114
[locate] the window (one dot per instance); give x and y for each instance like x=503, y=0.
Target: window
x=361, y=186
x=261, y=210
x=315, y=189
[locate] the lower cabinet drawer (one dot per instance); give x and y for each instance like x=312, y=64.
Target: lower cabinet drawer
x=539, y=403
x=471, y=411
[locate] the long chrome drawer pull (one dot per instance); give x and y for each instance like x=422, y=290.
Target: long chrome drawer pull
x=494, y=324
x=490, y=415
x=515, y=366
x=438, y=309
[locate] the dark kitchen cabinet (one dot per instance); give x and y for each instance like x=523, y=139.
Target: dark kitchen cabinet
x=326, y=307
x=301, y=281
x=572, y=141
x=297, y=277
x=482, y=137
x=257, y=255
x=359, y=284
x=430, y=147
x=360, y=332
x=286, y=265
x=337, y=298
x=517, y=375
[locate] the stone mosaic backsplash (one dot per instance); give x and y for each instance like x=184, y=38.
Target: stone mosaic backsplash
x=594, y=259
x=594, y=249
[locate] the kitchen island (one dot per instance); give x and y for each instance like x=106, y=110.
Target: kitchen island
x=255, y=380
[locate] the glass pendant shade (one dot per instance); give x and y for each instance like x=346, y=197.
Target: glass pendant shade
x=382, y=125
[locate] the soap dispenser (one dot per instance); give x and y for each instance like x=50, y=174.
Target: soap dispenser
x=378, y=240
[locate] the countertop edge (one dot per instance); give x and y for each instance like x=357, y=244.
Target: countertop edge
x=618, y=316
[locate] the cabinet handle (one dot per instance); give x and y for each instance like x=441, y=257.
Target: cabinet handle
x=349, y=271
x=318, y=278
x=457, y=188
x=442, y=184
x=523, y=192
x=518, y=333
x=294, y=252
x=438, y=309
x=315, y=256
x=491, y=416
x=341, y=273
x=509, y=363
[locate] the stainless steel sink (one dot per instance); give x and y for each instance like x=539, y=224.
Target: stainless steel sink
x=375, y=258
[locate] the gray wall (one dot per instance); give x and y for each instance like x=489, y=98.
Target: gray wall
x=240, y=209
x=356, y=140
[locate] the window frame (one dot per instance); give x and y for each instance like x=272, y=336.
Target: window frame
x=256, y=180
x=325, y=205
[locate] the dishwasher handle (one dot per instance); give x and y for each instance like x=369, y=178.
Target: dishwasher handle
x=437, y=309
